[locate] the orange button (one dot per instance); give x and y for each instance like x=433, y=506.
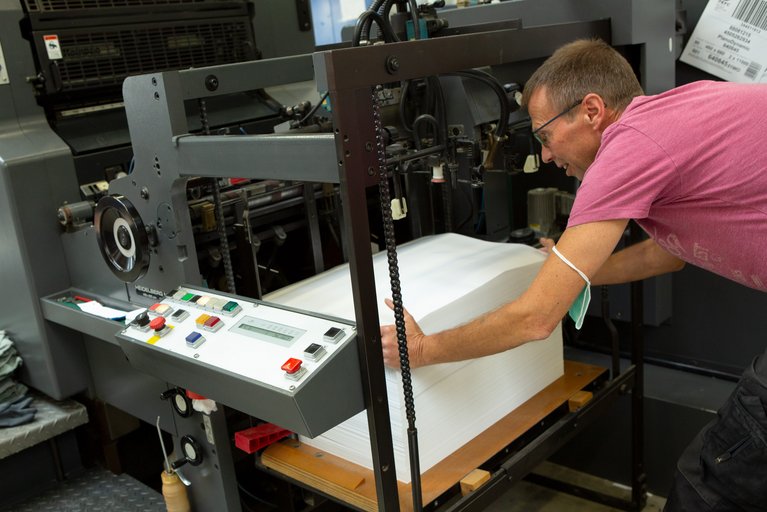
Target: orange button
x=292, y=365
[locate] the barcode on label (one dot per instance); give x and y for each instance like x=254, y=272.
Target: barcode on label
x=753, y=12
x=753, y=70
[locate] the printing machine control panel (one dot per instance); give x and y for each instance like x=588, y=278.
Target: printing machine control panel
x=274, y=346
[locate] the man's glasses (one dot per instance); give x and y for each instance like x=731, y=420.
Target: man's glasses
x=542, y=138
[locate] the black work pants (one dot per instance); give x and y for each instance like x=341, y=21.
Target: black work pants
x=725, y=467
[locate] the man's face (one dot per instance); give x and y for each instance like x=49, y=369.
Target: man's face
x=570, y=140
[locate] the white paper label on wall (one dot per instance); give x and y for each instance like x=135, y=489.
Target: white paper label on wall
x=53, y=47
x=730, y=41
x=3, y=71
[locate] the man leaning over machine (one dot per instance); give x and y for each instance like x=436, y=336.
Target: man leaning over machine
x=690, y=166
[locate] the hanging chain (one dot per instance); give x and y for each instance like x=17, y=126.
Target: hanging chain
x=219, y=210
x=391, y=253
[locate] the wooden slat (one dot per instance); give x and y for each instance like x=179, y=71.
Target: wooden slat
x=282, y=456
x=579, y=399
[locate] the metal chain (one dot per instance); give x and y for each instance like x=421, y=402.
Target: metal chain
x=391, y=254
x=399, y=316
x=219, y=211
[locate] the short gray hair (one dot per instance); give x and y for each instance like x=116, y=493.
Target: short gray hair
x=582, y=67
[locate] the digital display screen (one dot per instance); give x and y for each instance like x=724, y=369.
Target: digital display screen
x=259, y=330
x=269, y=331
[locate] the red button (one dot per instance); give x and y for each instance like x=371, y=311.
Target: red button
x=292, y=365
x=212, y=321
x=158, y=323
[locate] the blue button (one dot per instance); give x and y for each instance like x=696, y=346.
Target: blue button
x=194, y=339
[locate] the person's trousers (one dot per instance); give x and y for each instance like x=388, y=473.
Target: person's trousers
x=725, y=467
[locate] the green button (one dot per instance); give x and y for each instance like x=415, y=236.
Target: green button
x=187, y=297
x=230, y=306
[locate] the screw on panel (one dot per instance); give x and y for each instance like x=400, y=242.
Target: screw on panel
x=144, y=193
x=392, y=64
x=211, y=82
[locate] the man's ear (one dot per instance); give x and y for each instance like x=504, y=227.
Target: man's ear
x=596, y=110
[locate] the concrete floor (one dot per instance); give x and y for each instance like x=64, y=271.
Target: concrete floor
x=529, y=497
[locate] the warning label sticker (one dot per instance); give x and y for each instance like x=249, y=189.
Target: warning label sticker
x=53, y=47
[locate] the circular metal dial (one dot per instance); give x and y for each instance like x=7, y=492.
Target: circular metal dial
x=122, y=237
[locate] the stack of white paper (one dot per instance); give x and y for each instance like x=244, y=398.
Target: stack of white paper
x=446, y=280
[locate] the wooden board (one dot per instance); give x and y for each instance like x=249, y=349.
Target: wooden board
x=355, y=485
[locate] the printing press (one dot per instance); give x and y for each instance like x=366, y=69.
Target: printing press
x=155, y=163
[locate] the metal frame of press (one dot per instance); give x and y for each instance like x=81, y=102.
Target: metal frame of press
x=347, y=157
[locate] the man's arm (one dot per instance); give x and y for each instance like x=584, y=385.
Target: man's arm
x=639, y=261
x=533, y=316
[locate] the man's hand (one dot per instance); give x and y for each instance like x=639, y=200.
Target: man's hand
x=415, y=339
x=546, y=245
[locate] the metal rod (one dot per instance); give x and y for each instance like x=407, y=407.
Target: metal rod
x=579, y=491
x=352, y=112
x=638, y=476
x=614, y=338
x=162, y=444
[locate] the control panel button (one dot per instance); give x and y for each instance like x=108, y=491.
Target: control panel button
x=333, y=335
x=231, y=308
x=200, y=321
x=161, y=309
x=217, y=304
x=293, y=368
x=180, y=315
x=141, y=322
x=159, y=326
x=203, y=301
x=157, y=323
x=315, y=352
x=187, y=297
x=194, y=340
x=292, y=365
x=213, y=324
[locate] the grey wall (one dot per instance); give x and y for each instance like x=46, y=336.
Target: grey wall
x=277, y=31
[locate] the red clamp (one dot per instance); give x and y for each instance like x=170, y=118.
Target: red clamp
x=255, y=438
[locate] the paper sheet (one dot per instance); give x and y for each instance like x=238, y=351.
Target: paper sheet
x=94, y=307
x=446, y=280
